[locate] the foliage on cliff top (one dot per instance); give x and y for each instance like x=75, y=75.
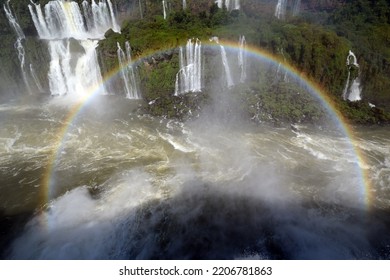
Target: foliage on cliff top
x=316, y=47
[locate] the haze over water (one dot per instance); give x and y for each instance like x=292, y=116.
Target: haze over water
x=126, y=185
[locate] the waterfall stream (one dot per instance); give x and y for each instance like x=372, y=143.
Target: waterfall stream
x=74, y=72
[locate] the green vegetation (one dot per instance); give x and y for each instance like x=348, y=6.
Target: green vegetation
x=316, y=43
x=366, y=25
x=284, y=103
x=318, y=52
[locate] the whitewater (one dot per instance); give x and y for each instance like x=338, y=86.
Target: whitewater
x=127, y=185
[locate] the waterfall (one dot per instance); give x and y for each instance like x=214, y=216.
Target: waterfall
x=123, y=67
x=282, y=5
x=12, y=21
x=58, y=21
x=128, y=72
x=84, y=77
x=184, y=4
x=279, y=75
x=132, y=74
x=59, y=69
x=36, y=80
x=278, y=69
x=164, y=9
x=229, y=4
x=225, y=63
x=18, y=43
x=87, y=74
x=214, y=39
x=115, y=25
x=345, y=91
x=355, y=90
x=296, y=7
x=242, y=58
x=64, y=19
x=21, y=56
x=237, y=5
x=351, y=59
x=280, y=9
x=352, y=89
x=140, y=9
x=189, y=77
x=87, y=10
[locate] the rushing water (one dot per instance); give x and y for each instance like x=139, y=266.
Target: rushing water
x=189, y=77
x=73, y=72
x=128, y=185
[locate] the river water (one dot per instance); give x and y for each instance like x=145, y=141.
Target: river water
x=115, y=183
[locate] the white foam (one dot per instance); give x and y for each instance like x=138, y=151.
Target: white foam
x=77, y=226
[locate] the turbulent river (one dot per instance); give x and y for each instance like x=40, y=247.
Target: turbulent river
x=112, y=183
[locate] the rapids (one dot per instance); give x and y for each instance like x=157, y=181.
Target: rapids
x=119, y=184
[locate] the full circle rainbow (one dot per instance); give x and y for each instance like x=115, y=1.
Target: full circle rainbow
x=318, y=92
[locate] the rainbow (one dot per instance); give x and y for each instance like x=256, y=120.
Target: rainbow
x=48, y=180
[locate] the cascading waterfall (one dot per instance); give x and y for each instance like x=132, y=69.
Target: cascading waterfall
x=124, y=70
x=214, y=39
x=62, y=19
x=12, y=21
x=133, y=74
x=18, y=44
x=352, y=60
x=21, y=56
x=140, y=9
x=164, y=9
x=237, y=5
x=229, y=79
x=219, y=3
x=355, y=90
x=87, y=10
x=73, y=72
x=282, y=6
x=189, y=77
x=352, y=89
x=59, y=71
x=296, y=7
x=280, y=9
x=229, y=4
x=65, y=79
x=184, y=4
x=115, y=25
x=242, y=58
x=278, y=71
x=87, y=74
x=345, y=91
x=36, y=80
x=226, y=66
x=128, y=72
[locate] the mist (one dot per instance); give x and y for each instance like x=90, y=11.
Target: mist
x=214, y=187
